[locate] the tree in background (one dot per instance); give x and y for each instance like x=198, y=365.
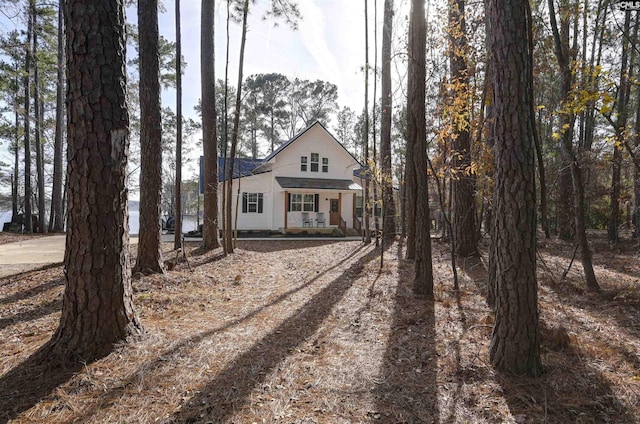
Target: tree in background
x=270, y=91
x=284, y=9
x=56, y=223
x=515, y=339
x=149, y=258
x=464, y=186
x=177, y=213
x=389, y=210
x=366, y=173
x=28, y=225
x=345, y=129
x=562, y=52
x=418, y=187
x=97, y=306
x=208, y=99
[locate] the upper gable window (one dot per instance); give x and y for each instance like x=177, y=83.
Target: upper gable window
x=303, y=163
x=325, y=164
x=315, y=160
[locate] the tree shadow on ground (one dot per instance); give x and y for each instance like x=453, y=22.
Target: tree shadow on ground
x=33, y=380
x=476, y=272
x=229, y=390
x=5, y=280
x=150, y=370
x=40, y=311
x=570, y=391
x=408, y=391
x=621, y=305
x=32, y=291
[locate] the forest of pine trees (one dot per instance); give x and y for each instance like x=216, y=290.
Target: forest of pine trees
x=516, y=124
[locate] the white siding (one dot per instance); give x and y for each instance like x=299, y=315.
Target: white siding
x=260, y=183
x=315, y=140
x=287, y=164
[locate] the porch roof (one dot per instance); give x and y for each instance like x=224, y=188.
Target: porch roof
x=318, y=184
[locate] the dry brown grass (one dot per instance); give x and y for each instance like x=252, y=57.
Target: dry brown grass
x=315, y=332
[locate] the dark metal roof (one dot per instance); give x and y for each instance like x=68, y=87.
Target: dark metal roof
x=242, y=167
x=317, y=183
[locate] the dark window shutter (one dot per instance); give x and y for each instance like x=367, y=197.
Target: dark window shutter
x=259, y=202
x=244, y=203
x=316, y=203
x=288, y=202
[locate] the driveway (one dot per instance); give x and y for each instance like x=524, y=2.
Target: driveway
x=42, y=250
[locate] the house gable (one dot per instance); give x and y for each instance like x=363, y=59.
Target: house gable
x=313, y=153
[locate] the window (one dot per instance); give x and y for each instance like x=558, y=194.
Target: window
x=359, y=206
x=252, y=202
x=303, y=163
x=315, y=159
x=302, y=202
x=325, y=164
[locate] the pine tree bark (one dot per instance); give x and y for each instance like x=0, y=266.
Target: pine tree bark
x=97, y=307
x=389, y=214
x=515, y=340
x=228, y=231
x=366, y=204
x=417, y=137
x=149, y=259
x=177, y=240
x=464, y=181
x=28, y=224
x=37, y=106
x=56, y=223
x=209, y=140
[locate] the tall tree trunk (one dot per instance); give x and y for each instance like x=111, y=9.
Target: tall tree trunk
x=28, y=225
x=464, y=181
x=417, y=135
x=636, y=170
x=225, y=128
x=490, y=140
x=228, y=239
x=97, y=306
x=577, y=192
x=566, y=205
x=374, y=153
x=177, y=240
x=515, y=340
x=621, y=123
x=389, y=209
x=366, y=204
x=149, y=259
x=15, y=194
x=56, y=223
x=209, y=139
x=38, y=130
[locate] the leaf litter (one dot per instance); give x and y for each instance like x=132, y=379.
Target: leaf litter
x=316, y=332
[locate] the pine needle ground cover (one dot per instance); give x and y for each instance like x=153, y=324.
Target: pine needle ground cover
x=316, y=332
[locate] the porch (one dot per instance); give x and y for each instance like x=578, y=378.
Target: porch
x=319, y=206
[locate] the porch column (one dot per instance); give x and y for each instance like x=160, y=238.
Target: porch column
x=286, y=215
x=355, y=196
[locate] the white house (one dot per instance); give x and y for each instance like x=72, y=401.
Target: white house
x=307, y=184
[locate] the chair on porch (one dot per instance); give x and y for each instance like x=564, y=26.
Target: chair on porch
x=320, y=219
x=306, y=221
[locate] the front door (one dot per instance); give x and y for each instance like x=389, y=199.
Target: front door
x=334, y=212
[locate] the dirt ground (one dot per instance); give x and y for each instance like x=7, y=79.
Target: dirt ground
x=317, y=332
